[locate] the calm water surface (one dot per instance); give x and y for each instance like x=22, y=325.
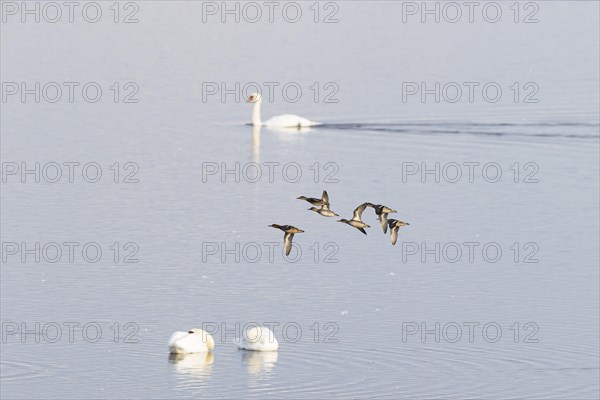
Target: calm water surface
x=355, y=298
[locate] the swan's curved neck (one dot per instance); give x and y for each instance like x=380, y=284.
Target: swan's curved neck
x=256, y=114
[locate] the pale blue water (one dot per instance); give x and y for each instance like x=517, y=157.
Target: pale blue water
x=369, y=292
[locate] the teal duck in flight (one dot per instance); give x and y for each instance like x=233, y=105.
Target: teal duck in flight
x=356, y=220
x=324, y=200
x=382, y=213
x=394, y=225
x=288, y=236
x=325, y=209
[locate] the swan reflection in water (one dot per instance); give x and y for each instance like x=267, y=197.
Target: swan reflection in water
x=283, y=134
x=259, y=363
x=196, y=365
x=256, y=144
x=289, y=135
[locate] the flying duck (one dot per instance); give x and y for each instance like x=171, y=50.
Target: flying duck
x=382, y=212
x=289, y=235
x=394, y=225
x=324, y=200
x=356, y=222
x=324, y=211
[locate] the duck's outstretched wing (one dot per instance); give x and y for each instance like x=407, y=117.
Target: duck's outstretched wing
x=358, y=212
x=383, y=221
x=325, y=197
x=394, y=234
x=287, y=243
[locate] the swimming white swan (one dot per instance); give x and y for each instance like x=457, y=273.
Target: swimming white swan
x=280, y=121
x=258, y=338
x=194, y=341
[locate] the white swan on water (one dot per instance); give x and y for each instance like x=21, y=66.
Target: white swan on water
x=194, y=341
x=258, y=338
x=279, y=121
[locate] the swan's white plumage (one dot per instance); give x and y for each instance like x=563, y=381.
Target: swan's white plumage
x=198, y=341
x=288, y=121
x=258, y=338
x=279, y=121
